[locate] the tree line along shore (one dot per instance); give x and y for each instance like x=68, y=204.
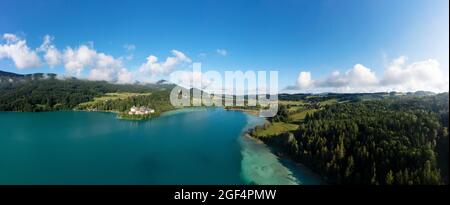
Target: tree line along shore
x=362, y=138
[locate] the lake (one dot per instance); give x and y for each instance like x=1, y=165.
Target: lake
x=189, y=146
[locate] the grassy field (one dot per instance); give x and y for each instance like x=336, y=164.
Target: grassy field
x=115, y=96
x=328, y=102
x=294, y=106
x=110, y=96
x=295, y=109
x=298, y=117
x=291, y=102
x=276, y=129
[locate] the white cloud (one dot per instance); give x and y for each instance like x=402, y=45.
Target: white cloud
x=304, y=80
x=86, y=62
x=398, y=76
x=129, y=47
x=358, y=76
x=222, y=52
x=154, y=67
x=17, y=50
x=125, y=76
x=100, y=66
x=75, y=60
x=10, y=38
x=180, y=56
x=421, y=75
x=52, y=55
x=190, y=79
x=105, y=68
x=361, y=76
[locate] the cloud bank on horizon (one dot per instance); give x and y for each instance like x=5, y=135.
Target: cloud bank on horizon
x=86, y=62
x=399, y=75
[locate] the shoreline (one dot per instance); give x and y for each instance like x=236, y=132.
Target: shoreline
x=283, y=158
x=286, y=158
x=278, y=153
x=250, y=112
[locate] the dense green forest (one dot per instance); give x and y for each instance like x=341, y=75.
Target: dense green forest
x=401, y=140
x=158, y=100
x=42, y=92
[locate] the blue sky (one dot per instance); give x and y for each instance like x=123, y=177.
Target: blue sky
x=318, y=38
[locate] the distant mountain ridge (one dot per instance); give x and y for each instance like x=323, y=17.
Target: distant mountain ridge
x=46, y=91
x=7, y=76
x=10, y=76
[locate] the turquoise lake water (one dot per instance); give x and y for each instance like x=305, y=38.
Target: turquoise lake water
x=198, y=146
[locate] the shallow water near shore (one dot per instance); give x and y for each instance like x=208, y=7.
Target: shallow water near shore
x=198, y=146
x=261, y=166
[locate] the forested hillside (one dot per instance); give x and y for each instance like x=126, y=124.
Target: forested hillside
x=42, y=92
x=400, y=140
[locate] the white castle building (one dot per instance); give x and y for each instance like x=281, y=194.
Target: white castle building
x=140, y=110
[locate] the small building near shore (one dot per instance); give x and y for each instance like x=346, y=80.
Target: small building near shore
x=140, y=110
